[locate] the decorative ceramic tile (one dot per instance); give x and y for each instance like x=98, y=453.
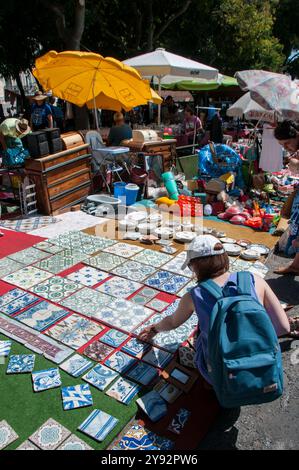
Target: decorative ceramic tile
x=50, y=435
x=74, y=331
x=123, y=390
x=19, y=304
x=76, y=365
x=97, y=351
x=98, y=425
x=11, y=295
x=153, y=405
x=20, y=363
x=124, y=314
x=27, y=225
x=187, y=288
x=76, y=396
x=152, y=258
x=88, y=276
x=123, y=249
x=167, y=391
x=48, y=247
x=138, y=438
x=119, y=287
x=157, y=357
x=178, y=423
x=7, y=434
x=135, y=347
x=28, y=256
x=157, y=304
x=158, y=317
x=87, y=301
x=120, y=362
x=8, y=266
x=239, y=265
x=5, y=347
x=171, y=340
x=100, y=376
x=133, y=270
x=173, y=285
x=158, y=279
x=187, y=357
x=27, y=445
x=27, y=277
x=148, y=292
x=46, y=379
x=142, y=373
x=105, y=261
x=113, y=338
x=74, y=443
x=139, y=299
x=61, y=261
x=55, y=288
x=259, y=268
x=82, y=242
x=42, y=315
x=175, y=265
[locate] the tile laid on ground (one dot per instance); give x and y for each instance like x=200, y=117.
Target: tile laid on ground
x=100, y=376
x=18, y=304
x=123, y=390
x=187, y=288
x=148, y=292
x=174, y=284
x=27, y=445
x=8, y=266
x=48, y=247
x=46, y=379
x=7, y=434
x=157, y=357
x=114, y=338
x=139, y=299
x=119, y=287
x=187, y=357
x=153, y=405
x=124, y=314
x=61, y=261
x=76, y=365
x=120, y=361
x=5, y=347
x=97, y=351
x=20, y=363
x=27, y=277
x=175, y=265
x=105, y=261
x=50, y=435
x=88, y=276
x=28, y=256
x=82, y=242
x=42, y=315
x=178, y=423
x=142, y=373
x=152, y=258
x=87, y=301
x=74, y=331
x=171, y=340
x=56, y=288
x=11, y=295
x=157, y=304
x=158, y=279
x=135, y=347
x=134, y=270
x=158, y=317
x=98, y=425
x=139, y=438
x=168, y=391
x=76, y=396
x=123, y=249
x=74, y=443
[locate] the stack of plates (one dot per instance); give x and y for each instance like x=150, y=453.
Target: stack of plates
x=232, y=249
x=184, y=237
x=250, y=254
x=227, y=240
x=147, y=228
x=259, y=248
x=163, y=232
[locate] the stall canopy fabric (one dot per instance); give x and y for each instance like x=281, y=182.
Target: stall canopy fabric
x=176, y=83
x=81, y=77
x=272, y=91
x=250, y=109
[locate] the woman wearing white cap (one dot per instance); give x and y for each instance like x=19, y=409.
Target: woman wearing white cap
x=207, y=259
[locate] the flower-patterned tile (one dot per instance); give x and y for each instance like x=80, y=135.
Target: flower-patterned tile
x=148, y=292
x=81, y=242
x=113, y=338
x=142, y=373
x=87, y=301
x=74, y=331
x=100, y=376
x=8, y=266
x=119, y=287
x=46, y=379
x=152, y=258
x=158, y=279
x=76, y=396
x=123, y=249
x=56, y=288
x=76, y=365
x=98, y=425
x=88, y=276
x=124, y=314
x=7, y=434
x=61, y=261
x=27, y=277
x=27, y=445
x=174, y=284
x=135, y=347
x=18, y=304
x=157, y=304
x=50, y=435
x=20, y=363
x=48, y=247
x=158, y=317
x=139, y=438
x=123, y=390
x=42, y=315
x=120, y=362
x=11, y=295
x=28, y=256
x=134, y=270
x=74, y=443
x=105, y=261
x=97, y=351
x=175, y=265
x=139, y=299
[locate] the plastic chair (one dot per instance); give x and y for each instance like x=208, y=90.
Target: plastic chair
x=99, y=159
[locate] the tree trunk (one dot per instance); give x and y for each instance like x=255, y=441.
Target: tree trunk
x=24, y=102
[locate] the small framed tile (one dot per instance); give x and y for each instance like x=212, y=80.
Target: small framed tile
x=153, y=405
x=178, y=423
x=20, y=363
x=76, y=396
x=27, y=445
x=100, y=377
x=142, y=373
x=168, y=392
x=113, y=338
x=139, y=438
x=76, y=365
x=7, y=434
x=120, y=362
x=123, y=390
x=135, y=347
x=157, y=305
x=157, y=357
x=88, y=276
x=97, y=351
x=5, y=347
x=187, y=357
x=56, y=288
x=42, y=315
x=139, y=299
x=148, y=292
x=46, y=379
x=50, y=435
x=98, y=425
x=74, y=443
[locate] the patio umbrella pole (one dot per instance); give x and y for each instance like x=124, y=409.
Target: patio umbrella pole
x=95, y=109
x=159, y=105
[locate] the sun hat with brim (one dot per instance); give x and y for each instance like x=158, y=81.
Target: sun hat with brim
x=39, y=96
x=201, y=247
x=22, y=127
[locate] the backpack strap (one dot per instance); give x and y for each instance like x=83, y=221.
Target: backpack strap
x=244, y=283
x=212, y=288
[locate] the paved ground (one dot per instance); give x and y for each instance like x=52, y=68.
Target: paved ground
x=272, y=425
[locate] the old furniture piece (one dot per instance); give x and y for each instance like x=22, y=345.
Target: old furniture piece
x=62, y=179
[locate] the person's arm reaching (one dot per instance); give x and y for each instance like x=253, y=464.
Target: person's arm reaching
x=182, y=313
x=274, y=309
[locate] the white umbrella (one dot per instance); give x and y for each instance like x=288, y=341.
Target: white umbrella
x=161, y=63
x=250, y=109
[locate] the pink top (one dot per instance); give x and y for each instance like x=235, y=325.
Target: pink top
x=190, y=123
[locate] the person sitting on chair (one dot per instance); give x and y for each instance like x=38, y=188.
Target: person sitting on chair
x=120, y=131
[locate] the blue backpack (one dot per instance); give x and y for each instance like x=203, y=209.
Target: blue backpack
x=244, y=357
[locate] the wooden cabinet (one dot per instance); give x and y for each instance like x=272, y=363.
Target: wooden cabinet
x=165, y=148
x=62, y=179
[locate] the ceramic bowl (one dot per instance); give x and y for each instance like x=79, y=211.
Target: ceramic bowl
x=232, y=249
x=250, y=254
x=136, y=216
x=132, y=236
x=259, y=248
x=163, y=232
x=126, y=225
x=244, y=243
x=155, y=218
x=185, y=237
x=227, y=240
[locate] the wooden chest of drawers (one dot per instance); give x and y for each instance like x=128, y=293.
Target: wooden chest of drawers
x=62, y=179
x=165, y=148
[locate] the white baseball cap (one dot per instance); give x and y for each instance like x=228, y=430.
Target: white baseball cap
x=200, y=247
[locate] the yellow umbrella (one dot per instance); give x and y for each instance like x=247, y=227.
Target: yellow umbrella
x=155, y=97
x=104, y=102
x=79, y=77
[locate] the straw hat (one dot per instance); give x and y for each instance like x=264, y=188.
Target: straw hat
x=22, y=127
x=39, y=96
